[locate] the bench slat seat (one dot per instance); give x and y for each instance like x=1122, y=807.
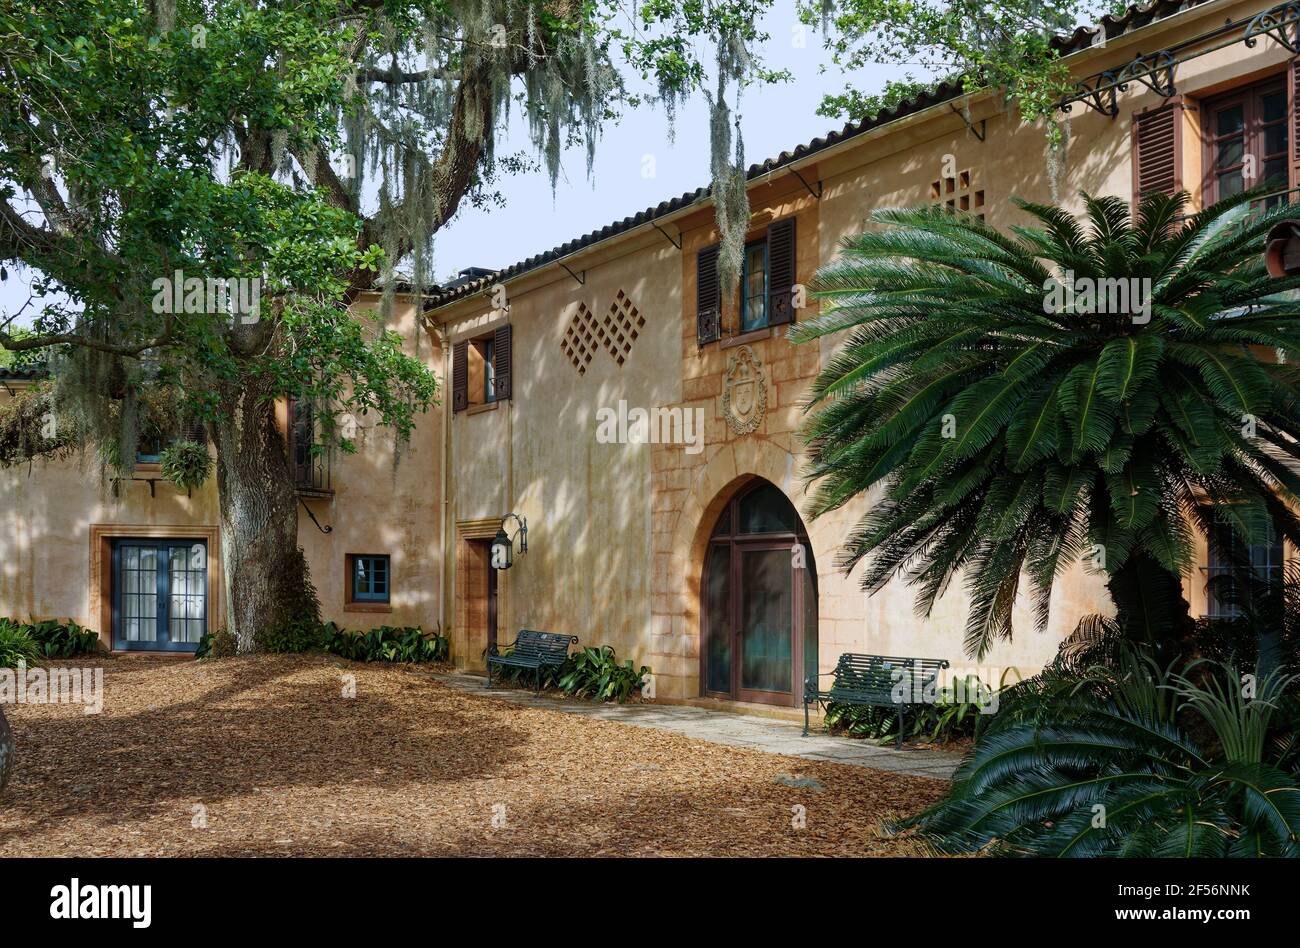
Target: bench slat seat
x=535, y=650
x=877, y=680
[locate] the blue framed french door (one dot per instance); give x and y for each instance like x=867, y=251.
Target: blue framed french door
x=160, y=594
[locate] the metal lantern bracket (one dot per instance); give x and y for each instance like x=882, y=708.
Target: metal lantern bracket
x=521, y=531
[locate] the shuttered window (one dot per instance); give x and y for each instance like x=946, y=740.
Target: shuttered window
x=781, y=271
x=766, y=296
x=1157, y=143
x=481, y=370
x=708, y=296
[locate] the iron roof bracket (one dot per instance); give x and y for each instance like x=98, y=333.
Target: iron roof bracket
x=676, y=243
x=582, y=280
x=970, y=126
x=818, y=193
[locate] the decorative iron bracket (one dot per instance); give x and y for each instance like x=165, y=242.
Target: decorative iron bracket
x=303, y=501
x=1155, y=71
x=1097, y=94
x=582, y=280
x=1280, y=23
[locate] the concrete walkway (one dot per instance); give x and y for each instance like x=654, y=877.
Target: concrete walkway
x=737, y=730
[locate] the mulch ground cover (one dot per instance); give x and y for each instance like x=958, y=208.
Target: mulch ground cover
x=269, y=756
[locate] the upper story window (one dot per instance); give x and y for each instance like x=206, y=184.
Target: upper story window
x=1247, y=140
x=753, y=287
x=480, y=370
x=767, y=286
x=309, y=456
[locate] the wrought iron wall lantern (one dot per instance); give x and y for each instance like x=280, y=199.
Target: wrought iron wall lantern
x=503, y=544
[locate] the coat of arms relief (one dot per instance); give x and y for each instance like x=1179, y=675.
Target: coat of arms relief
x=744, y=391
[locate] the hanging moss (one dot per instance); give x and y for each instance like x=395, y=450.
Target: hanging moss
x=730, y=197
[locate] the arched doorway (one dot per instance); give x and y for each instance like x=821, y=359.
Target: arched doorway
x=758, y=601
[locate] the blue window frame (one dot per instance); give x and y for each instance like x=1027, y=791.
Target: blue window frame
x=370, y=578
x=160, y=594
x=753, y=287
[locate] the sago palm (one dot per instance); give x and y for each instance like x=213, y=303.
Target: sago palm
x=1139, y=762
x=1011, y=429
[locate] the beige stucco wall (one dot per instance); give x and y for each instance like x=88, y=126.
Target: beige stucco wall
x=386, y=501
x=617, y=547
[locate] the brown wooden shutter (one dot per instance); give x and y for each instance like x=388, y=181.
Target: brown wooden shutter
x=708, y=296
x=1157, y=151
x=501, y=358
x=460, y=376
x=1293, y=103
x=780, y=272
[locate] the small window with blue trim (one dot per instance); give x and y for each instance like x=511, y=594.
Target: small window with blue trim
x=753, y=287
x=371, y=578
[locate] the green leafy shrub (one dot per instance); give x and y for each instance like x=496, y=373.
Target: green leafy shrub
x=386, y=644
x=952, y=717
x=216, y=644
x=303, y=635
x=52, y=638
x=1136, y=760
x=595, y=673
x=17, y=645
x=186, y=464
x=64, y=639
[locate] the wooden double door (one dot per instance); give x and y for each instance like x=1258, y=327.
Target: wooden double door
x=759, y=601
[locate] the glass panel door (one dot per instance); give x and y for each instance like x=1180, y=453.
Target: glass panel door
x=717, y=618
x=160, y=594
x=765, y=636
x=138, y=602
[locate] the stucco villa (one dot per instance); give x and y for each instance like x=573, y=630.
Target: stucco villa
x=647, y=428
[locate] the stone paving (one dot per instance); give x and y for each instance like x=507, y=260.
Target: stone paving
x=737, y=730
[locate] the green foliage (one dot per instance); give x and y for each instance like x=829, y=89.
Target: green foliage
x=17, y=645
x=186, y=464
x=50, y=638
x=25, y=430
x=216, y=643
x=386, y=644
x=595, y=673
x=1138, y=760
x=301, y=635
x=1017, y=429
x=1004, y=46
x=952, y=717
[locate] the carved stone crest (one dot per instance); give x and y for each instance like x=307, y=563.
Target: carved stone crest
x=744, y=391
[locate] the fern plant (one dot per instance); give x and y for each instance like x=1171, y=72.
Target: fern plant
x=1014, y=430
x=186, y=464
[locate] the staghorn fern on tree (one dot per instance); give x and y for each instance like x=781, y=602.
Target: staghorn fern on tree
x=1072, y=433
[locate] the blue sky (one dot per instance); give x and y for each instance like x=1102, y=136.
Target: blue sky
x=636, y=166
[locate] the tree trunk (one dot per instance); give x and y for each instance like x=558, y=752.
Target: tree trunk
x=6, y=751
x=1150, y=607
x=263, y=568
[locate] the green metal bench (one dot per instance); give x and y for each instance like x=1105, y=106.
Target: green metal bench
x=874, y=680
x=535, y=650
